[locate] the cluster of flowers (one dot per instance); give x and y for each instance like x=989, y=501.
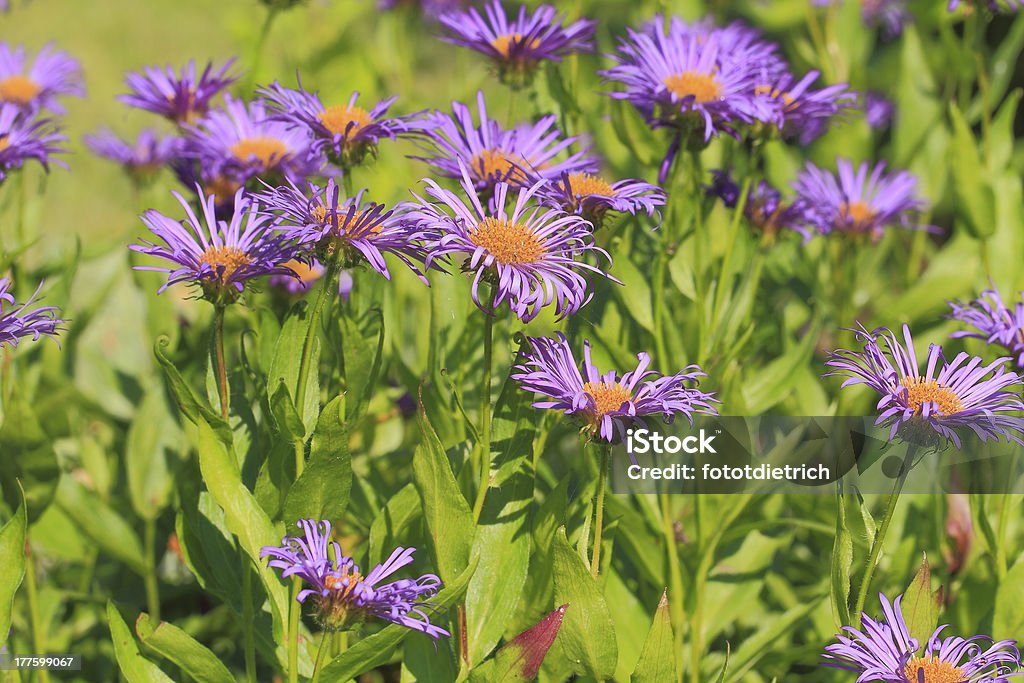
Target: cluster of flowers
x=892, y=15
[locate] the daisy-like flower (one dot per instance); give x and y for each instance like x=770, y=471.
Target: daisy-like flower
x=350, y=231
x=801, y=113
x=591, y=196
x=517, y=47
x=18, y=321
x=697, y=78
x=36, y=86
x=994, y=322
x=530, y=256
x=141, y=160
x=221, y=256
x=24, y=137
x=765, y=208
x=949, y=398
x=607, y=403
x=346, y=133
x=240, y=142
x=884, y=651
x=181, y=97
x=493, y=154
x=343, y=596
x=858, y=203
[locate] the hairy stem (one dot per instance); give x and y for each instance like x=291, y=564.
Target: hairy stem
x=606, y=456
x=485, y=413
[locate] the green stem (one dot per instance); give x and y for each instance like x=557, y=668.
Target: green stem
x=606, y=455
x=319, y=658
x=222, y=369
x=665, y=241
x=723, y=274
x=293, y=632
x=152, y=587
x=38, y=637
x=347, y=182
x=675, y=575
x=257, y=50
x=876, y=545
x=247, y=619
x=485, y=412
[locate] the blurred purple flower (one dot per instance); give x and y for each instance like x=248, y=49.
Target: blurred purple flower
x=18, y=321
x=765, y=209
x=993, y=5
x=24, y=137
x=803, y=113
x=878, y=110
x=607, y=403
x=994, y=322
x=141, y=159
x=37, y=86
x=342, y=595
x=183, y=97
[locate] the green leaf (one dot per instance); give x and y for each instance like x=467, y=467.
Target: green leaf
x=174, y=645
x=1008, y=621
x=286, y=417
x=971, y=186
x=725, y=664
x=321, y=493
x=376, y=650
x=636, y=294
x=191, y=407
x=920, y=609
x=448, y=517
x=774, y=381
x=284, y=366
x=134, y=667
x=243, y=516
x=12, y=569
x=401, y=511
x=842, y=563
x=519, y=660
x=362, y=342
x=760, y=644
x=658, y=657
x=149, y=459
x=587, y=636
x=101, y=524
x=28, y=464
x=330, y=438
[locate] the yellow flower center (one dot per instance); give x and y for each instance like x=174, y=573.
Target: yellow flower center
x=859, y=214
x=608, y=397
x=307, y=274
x=510, y=243
x=267, y=150
x=586, y=184
x=350, y=226
x=4, y=144
x=492, y=162
x=230, y=259
x=223, y=189
x=775, y=94
x=934, y=670
x=921, y=391
x=701, y=86
x=503, y=43
x=337, y=118
x=337, y=583
x=18, y=89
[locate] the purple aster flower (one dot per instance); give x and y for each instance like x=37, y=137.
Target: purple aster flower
x=240, y=142
x=890, y=15
x=878, y=110
x=592, y=197
x=342, y=595
x=994, y=322
x=306, y=275
x=530, y=256
x=141, y=159
x=222, y=256
x=765, y=208
x=25, y=137
x=800, y=112
x=518, y=47
x=37, y=85
x=861, y=202
x=21, y=320
x=183, y=97
x=698, y=78
x=431, y=8
x=360, y=230
x=949, y=398
x=493, y=154
x=345, y=132
x=993, y=5
x=886, y=652
x=606, y=402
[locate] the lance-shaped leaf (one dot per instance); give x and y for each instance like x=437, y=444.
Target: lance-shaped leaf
x=174, y=645
x=920, y=607
x=519, y=660
x=287, y=359
x=657, y=658
x=133, y=666
x=191, y=407
x=12, y=569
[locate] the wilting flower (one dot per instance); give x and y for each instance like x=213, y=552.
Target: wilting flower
x=37, y=86
x=24, y=137
x=183, y=97
x=800, y=112
x=359, y=230
x=220, y=256
x=856, y=203
x=518, y=47
x=342, y=595
x=21, y=320
x=141, y=159
x=493, y=154
x=765, y=208
x=345, y=132
x=240, y=142
x=949, y=398
x=698, y=78
x=886, y=652
x=529, y=257
x=994, y=322
x=607, y=403
x=591, y=196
